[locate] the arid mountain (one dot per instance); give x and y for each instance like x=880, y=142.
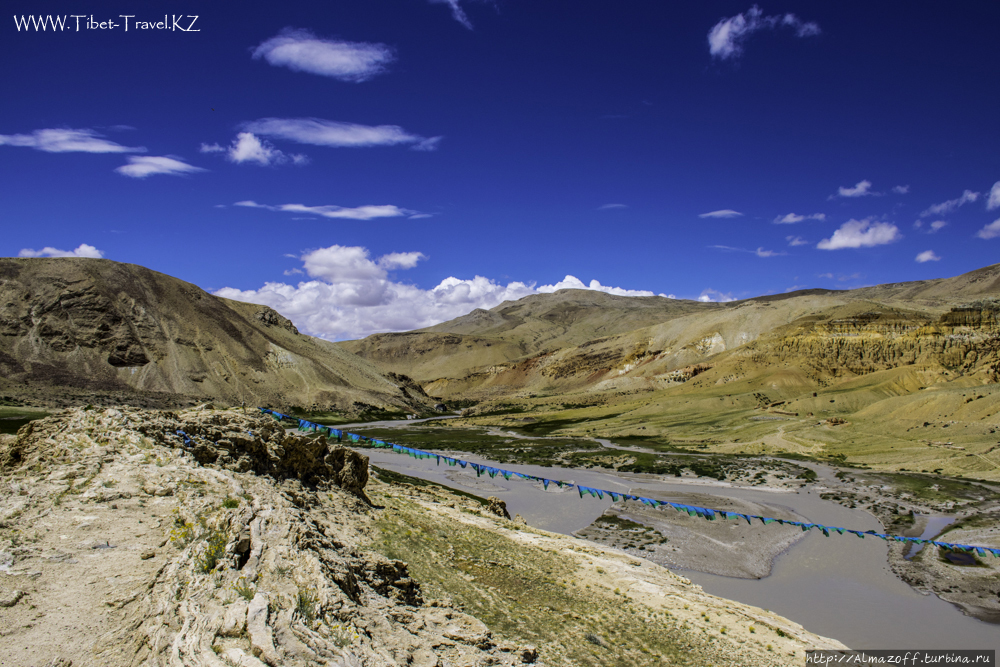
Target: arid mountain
x=890, y=376
x=93, y=330
x=576, y=339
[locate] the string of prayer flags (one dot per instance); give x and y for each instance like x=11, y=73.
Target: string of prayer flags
x=691, y=510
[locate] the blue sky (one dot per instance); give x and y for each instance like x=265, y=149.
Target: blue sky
x=376, y=165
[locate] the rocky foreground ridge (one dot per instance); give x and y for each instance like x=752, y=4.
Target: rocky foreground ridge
x=134, y=537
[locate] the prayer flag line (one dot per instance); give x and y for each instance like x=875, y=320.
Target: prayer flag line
x=691, y=510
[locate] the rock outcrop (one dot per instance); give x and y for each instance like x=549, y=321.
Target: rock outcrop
x=126, y=543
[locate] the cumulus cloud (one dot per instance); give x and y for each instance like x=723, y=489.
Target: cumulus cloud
x=67, y=141
x=715, y=296
x=141, y=167
x=727, y=37
x=302, y=51
x=861, y=234
x=927, y=256
x=901, y=189
x=330, y=211
x=247, y=147
x=861, y=189
x=796, y=240
x=350, y=295
x=319, y=132
x=948, y=206
x=792, y=218
x=993, y=201
x=400, y=260
x=990, y=231
x=724, y=213
x=82, y=250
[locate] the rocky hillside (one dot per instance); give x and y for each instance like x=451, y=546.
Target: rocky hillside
x=574, y=341
x=133, y=537
x=77, y=331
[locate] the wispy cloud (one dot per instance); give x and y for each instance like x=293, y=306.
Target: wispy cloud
x=67, y=141
x=796, y=240
x=861, y=234
x=861, y=189
x=82, y=250
x=946, y=207
x=994, y=199
x=901, y=189
x=357, y=213
x=793, y=218
x=760, y=252
x=727, y=37
x=319, y=132
x=302, y=51
x=457, y=12
x=927, y=256
x=350, y=295
x=724, y=213
x=990, y=231
x=143, y=166
x=608, y=207
x=932, y=228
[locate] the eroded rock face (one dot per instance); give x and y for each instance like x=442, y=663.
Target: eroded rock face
x=144, y=555
x=498, y=507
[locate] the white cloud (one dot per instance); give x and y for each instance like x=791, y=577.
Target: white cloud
x=572, y=282
x=861, y=234
x=141, y=167
x=938, y=224
x=861, y=189
x=330, y=211
x=400, y=260
x=990, y=231
x=82, y=250
x=319, y=132
x=608, y=207
x=760, y=252
x=994, y=199
x=927, y=256
x=349, y=295
x=792, y=218
x=826, y=275
x=247, y=147
x=714, y=296
x=724, y=213
x=796, y=240
x=67, y=141
x=457, y=12
x=211, y=148
x=302, y=51
x=948, y=206
x=901, y=189
x=726, y=38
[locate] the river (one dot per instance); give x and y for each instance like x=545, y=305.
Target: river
x=839, y=586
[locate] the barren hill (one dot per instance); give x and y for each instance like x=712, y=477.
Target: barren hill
x=92, y=330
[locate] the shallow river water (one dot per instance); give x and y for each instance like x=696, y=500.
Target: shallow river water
x=839, y=586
